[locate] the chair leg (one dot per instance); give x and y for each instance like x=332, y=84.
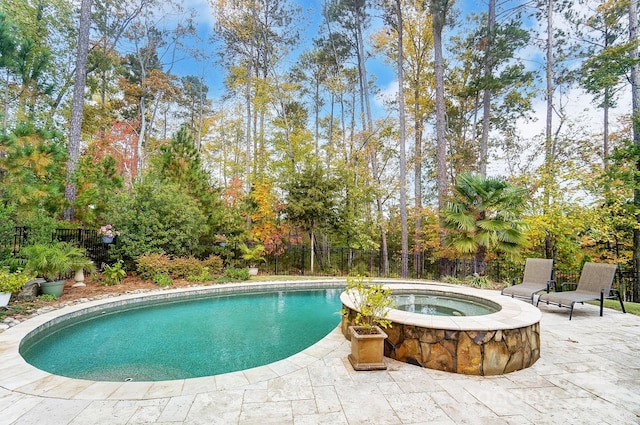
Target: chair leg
x=620, y=299
x=601, y=302
x=571, y=312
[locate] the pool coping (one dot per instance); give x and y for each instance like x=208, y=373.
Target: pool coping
x=514, y=313
x=19, y=376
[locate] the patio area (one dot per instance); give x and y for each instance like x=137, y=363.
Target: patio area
x=588, y=373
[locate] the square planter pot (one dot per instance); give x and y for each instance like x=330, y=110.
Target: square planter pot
x=367, y=348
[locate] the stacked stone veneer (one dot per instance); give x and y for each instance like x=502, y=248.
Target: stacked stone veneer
x=470, y=352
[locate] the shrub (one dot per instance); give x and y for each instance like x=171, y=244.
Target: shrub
x=40, y=227
x=156, y=217
x=162, y=279
x=451, y=279
x=149, y=265
x=214, y=264
x=181, y=268
x=13, y=281
x=47, y=297
x=477, y=281
x=204, y=276
x=113, y=275
x=236, y=274
x=6, y=230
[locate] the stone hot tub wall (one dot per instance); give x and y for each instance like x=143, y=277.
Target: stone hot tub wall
x=469, y=352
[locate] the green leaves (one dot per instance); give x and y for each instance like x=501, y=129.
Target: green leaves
x=485, y=213
x=372, y=302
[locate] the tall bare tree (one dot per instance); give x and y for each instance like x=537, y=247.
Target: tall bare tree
x=635, y=115
x=439, y=10
x=77, y=105
x=486, y=97
x=404, y=272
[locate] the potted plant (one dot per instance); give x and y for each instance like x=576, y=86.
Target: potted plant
x=367, y=314
x=79, y=263
x=252, y=256
x=11, y=282
x=54, y=262
x=108, y=233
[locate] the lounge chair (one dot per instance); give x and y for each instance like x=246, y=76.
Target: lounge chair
x=537, y=277
x=594, y=284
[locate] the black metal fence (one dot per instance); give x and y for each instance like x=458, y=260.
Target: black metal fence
x=296, y=260
x=90, y=240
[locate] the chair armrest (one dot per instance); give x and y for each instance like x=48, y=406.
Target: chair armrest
x=551, y=284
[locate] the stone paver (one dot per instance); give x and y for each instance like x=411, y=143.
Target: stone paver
x=588, y=373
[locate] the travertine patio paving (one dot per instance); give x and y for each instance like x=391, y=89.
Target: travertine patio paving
x=588, y=373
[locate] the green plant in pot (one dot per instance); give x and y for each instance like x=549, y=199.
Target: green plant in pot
x=11, y=282
x=252, y=256
x=79, y=262
x=54, y=262
x=364, y=311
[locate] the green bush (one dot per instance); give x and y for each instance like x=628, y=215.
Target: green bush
x=149, y=265
x=6, y=231
x=181, y=268
x=214, y=264
x=113, y=275
x=204, y=276
x=47, y=297
x=156, y=217
x=236, y=274
x=477, y=281
x=40, y=227
x=162, y=279
x=451, y=279
x=13, y=281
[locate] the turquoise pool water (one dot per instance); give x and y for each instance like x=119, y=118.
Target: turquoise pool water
x=186, y=339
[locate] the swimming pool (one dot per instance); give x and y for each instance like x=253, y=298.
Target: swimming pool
x=183, y=338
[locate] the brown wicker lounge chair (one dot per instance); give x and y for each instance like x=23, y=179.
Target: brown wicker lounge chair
x=594, y=284
x=537, y=277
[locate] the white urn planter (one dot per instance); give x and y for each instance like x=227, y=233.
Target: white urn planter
x=79, y=278
x=4, y=298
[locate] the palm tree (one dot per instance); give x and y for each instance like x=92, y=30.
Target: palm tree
x=484, y=215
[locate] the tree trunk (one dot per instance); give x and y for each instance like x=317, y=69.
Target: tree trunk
x=313, y=250
x=249, y=143
x=77, y=106
x=438, y=12
x=403, y=159
x=548, y=146
x=486, y=99
x=417, y=185
x=635, y=119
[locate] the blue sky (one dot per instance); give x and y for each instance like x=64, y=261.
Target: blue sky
x=311, y=13
x=580, y=106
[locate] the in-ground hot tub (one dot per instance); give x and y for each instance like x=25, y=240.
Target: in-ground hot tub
x=503, y=340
